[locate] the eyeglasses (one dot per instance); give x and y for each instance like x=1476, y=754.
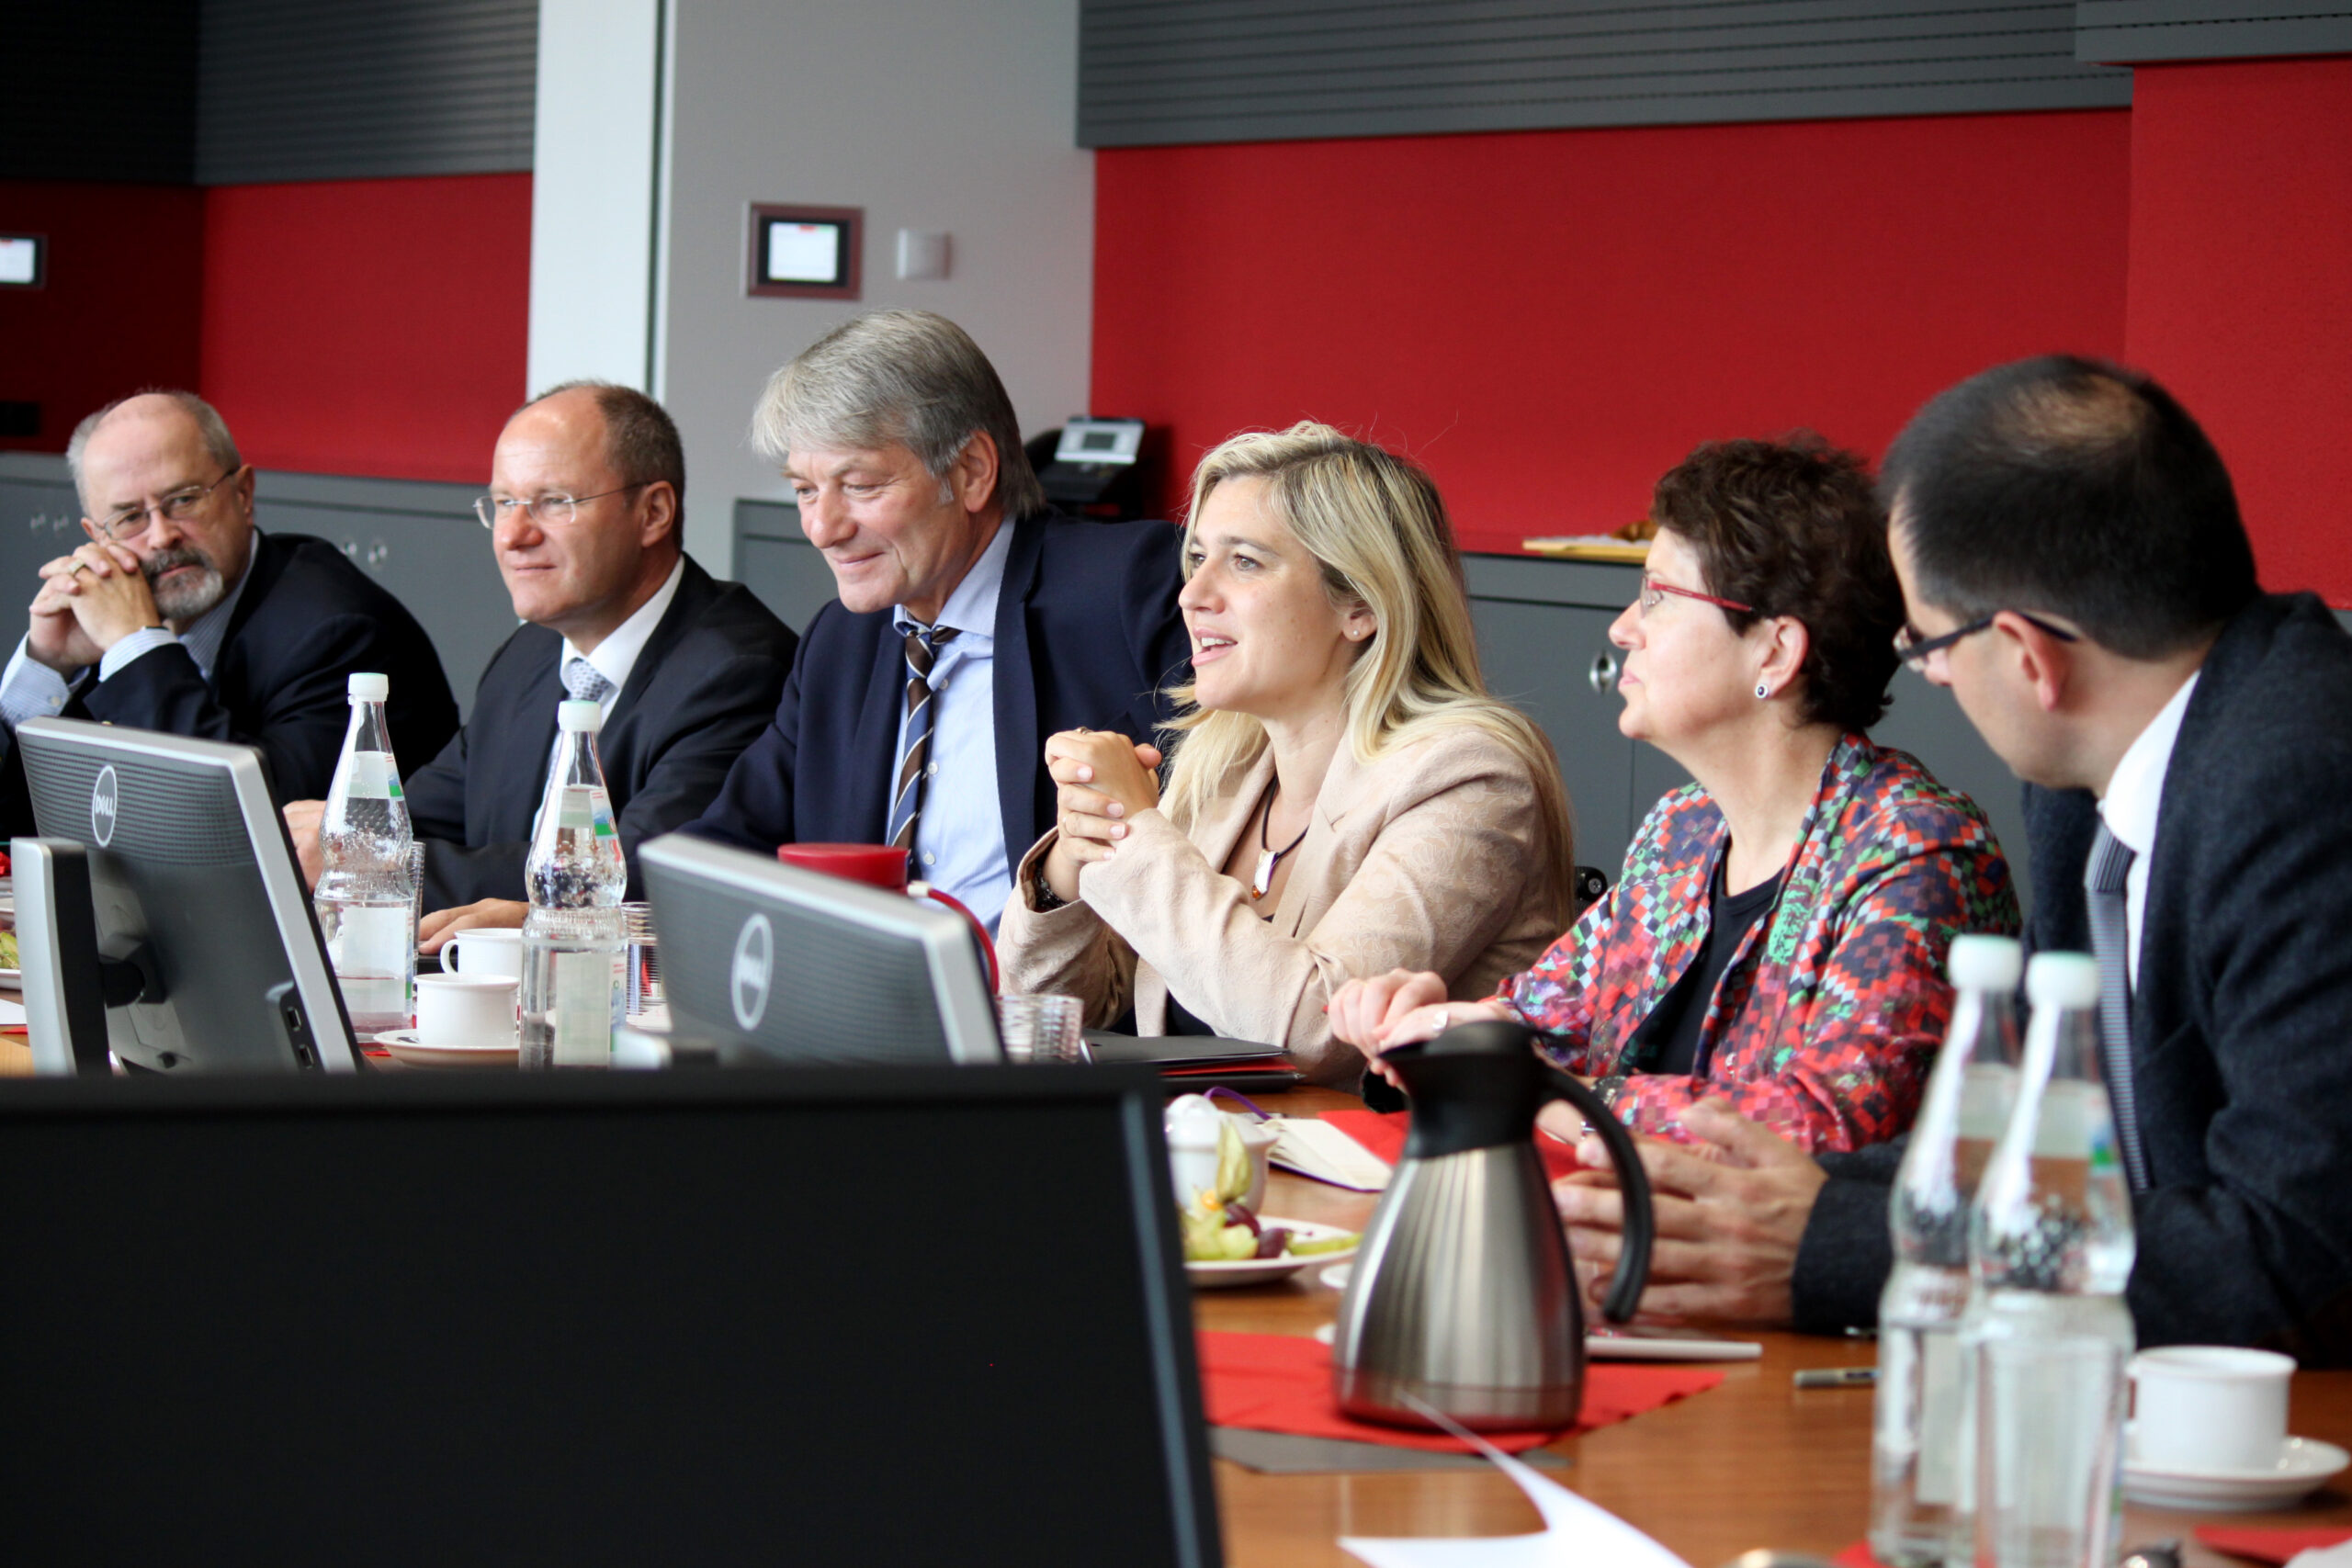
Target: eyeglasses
x=1654, y=593
x=547, y=510
x=177, y=507
x=1914, y=650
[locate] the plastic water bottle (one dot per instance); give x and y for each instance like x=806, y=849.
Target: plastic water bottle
x=1918, y=1449
x=364, y=897
x=574, y=937
x=2051, y=1248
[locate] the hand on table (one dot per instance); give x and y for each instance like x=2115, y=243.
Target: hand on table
x=302, y=819
x=439, y=926
x=1731, y=1213
x=1101, y=780
x=88, y=602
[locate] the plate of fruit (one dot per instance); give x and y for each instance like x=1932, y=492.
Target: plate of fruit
x=1230, y=1245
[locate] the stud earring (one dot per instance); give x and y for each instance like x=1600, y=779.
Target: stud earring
x=1762, y=690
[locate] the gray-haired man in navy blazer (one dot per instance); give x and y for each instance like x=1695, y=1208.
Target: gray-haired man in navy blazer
x=971, y=623
x=2076, y=573
x=584, y=511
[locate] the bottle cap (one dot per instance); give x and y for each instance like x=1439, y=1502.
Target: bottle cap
x=2063, y=980
x=371, y=688
x=1985, y=962
x=574, y=716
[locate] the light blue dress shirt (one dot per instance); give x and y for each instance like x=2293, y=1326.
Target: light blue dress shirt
x=959, y=838
x=32, y=690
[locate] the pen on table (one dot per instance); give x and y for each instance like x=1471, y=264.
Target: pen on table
x=1837, y=1377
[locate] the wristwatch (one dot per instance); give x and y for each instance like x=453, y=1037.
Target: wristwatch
x=1042, y=895
x=1606, y=1089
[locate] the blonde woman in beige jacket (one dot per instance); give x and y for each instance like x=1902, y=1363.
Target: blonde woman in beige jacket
x=1342, y=795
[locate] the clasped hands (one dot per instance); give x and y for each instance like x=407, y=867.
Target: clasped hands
x=1102, y=780
x=88, y=602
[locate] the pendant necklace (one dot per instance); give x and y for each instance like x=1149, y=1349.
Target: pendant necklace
x=1270, y=858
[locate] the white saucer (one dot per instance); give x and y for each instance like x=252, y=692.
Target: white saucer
x=405, y=1046
x=2303, y=1464
x=1265, y=1270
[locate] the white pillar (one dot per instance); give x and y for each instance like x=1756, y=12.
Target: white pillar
x=597, y=163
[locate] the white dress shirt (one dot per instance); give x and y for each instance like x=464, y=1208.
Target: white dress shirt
x=31, y=689
x=2136, y=794
x=617, y=654
x=959, y=837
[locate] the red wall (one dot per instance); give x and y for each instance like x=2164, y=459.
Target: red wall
x=1551, y=319
x=2241, y=289
x=369, y=326
x=125, y=273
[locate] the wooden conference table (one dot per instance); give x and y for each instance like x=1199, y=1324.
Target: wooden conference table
x=1755, y=1462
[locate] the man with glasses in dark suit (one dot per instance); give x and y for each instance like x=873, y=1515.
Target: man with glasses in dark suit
x=2076, y=573
x=586, y=512
x=179, y=614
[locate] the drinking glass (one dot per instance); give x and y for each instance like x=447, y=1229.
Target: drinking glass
x=643, y=989
x=1041, y=1029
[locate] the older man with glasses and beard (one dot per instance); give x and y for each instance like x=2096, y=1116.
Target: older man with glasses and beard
x=180, y=615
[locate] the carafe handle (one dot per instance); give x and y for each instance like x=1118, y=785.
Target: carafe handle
x=1633, y=1261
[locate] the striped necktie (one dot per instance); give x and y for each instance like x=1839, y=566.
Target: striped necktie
x=914, y=757
x=2104, y=880
x=585, y=681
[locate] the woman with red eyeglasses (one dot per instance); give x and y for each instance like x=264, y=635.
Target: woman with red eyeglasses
x=1777, y=937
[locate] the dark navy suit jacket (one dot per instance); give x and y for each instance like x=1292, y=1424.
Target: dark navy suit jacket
x=1087, y=634
x=2241, y=1019
x=702, y=689
x=306, y=621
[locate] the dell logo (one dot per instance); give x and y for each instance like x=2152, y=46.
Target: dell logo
x=104, y=800
x=754, y=958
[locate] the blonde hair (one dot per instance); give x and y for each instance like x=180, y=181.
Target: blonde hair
x=1376, y=526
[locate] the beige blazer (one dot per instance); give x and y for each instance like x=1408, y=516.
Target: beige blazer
x=1430, y=858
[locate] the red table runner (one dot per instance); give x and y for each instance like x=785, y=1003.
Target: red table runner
x=1279, y=1382
x=2268, y=1545
x=2259, y=1543
x=1384, y=1135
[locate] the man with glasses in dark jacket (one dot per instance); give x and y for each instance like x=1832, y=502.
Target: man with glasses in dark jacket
x=179, y=614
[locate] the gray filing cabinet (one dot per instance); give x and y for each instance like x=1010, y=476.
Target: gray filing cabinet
x=422, y=541
x=1544, y=640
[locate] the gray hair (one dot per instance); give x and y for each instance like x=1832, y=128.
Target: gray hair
x=903, y=377
x=218, y=444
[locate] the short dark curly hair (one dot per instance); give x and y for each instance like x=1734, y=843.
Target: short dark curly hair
x=1793, y=527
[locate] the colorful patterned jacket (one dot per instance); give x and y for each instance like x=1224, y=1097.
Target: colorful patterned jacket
x=1826, y=1033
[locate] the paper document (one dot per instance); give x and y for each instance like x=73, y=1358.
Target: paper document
x=1575, y=1532
x=1320, y=1150
x=11, y=1014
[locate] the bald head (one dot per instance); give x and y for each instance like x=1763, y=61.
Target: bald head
x=159, y=412
x=613, y=454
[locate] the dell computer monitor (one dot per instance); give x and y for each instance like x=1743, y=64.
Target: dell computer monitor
x=818, y=1316
x=161, y=915
x=774, y=964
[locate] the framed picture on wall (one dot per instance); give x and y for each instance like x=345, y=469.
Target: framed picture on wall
x=24, y=261
x=804, y=253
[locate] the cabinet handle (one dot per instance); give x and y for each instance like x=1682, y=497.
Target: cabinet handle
x=1604, y=674
x=378, y=554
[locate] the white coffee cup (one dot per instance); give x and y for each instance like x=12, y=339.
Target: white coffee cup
x=465, y=1009
x=485, y=950
x=2203, y=1408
